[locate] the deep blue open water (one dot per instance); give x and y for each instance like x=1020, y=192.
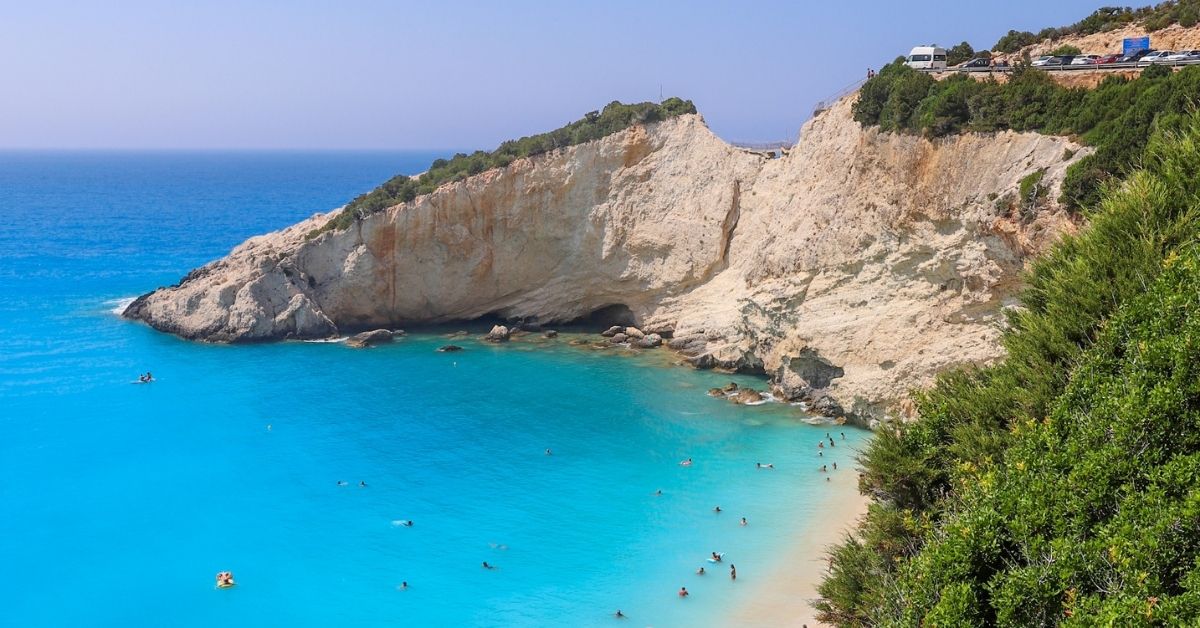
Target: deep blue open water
x=119, y=502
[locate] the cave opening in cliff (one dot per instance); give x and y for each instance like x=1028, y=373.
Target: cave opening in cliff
x=607, y=316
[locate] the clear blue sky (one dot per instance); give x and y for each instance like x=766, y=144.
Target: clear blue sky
x=437, y=74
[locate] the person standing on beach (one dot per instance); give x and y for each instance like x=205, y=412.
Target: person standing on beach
x=732, y=572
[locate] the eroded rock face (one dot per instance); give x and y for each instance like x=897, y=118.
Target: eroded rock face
x=853, y=269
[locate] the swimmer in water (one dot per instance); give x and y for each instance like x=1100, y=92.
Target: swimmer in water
x=824, y=469
x=716, y=557
x=821, y=454
x=821, y=445
x=843, y=436
x=835, y=466
x=683, y=592
x=268, y=427
x=619, y=614
x=404, y=586
x=732, y=572
x=407, y=523
x=658, y=493
x=717, y=509
x=548, y=452
x=343, y=483
x=744, y=522
x=362, y=484
x=831, y=443
x=487, y=566
x=700, y=572
x=686, y=463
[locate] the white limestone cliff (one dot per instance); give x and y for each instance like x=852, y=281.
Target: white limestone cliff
x=860, y=264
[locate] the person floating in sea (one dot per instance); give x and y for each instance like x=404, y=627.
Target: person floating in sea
x=225, y=579
x=821, y=445
x=362, y=484
x=683, y=592
x=343, y=483
x=658, y=493
x=744, y=522
x=619, y=614
x=700, y=572
x=404, y=586
x=686, y=463
x=732, y=572
x=821, y=453
x=717, y=509
x=716, y=557
x=548, y=452
x=487, y=566
x=146, y=378
x=769, y=465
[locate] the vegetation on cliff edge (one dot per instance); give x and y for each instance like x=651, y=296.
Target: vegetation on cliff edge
x=1061, y=485
x=1183, y=12
x=594, y=125
x=1116, y=118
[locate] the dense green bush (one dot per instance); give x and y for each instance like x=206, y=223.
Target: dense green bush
x=1061, y=485
x=614, y=117
x=1065, y=50
x=960, y=53
x=1115, y=118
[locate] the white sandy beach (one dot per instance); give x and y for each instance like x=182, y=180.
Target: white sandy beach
x=784, y=599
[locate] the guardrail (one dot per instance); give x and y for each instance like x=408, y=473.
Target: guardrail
x=765, y=146
x=822, y=105
x=1132, y=65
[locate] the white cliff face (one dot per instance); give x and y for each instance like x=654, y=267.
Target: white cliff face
x=862, y=262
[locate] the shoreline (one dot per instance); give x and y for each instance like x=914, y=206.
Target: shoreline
x=785, y=597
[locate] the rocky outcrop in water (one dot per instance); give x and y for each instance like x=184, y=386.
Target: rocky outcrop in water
x=850, y=271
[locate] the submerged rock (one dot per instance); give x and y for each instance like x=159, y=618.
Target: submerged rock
x=370, y=338
x=550, y=333
x=499, y=333
x=449, y=348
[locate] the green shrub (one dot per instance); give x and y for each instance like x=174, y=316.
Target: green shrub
x=1066, y=49
x=960, y=53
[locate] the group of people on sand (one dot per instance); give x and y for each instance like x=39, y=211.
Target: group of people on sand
x=146, y=377
x=225, y=579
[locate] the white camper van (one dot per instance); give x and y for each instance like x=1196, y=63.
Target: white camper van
x=927, y=58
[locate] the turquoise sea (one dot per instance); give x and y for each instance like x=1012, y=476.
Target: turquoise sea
x=119, y=502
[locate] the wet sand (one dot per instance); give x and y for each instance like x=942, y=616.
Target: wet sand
x=784, y=597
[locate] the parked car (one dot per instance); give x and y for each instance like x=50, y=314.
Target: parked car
x=1060, y=60
x=1158, y=56
x=1185, y=55
x=1085, y=60
x=1042, y=60
x=978, y=62
x=1108, y=59
x=1137, y=56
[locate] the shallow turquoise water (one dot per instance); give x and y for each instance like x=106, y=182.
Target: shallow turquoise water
x=118, y=502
